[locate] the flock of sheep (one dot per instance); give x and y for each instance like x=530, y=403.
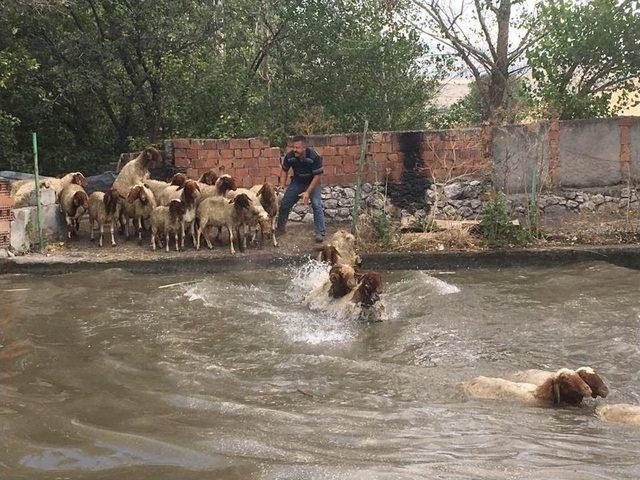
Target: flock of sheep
x=179, y=206
x=197, y=206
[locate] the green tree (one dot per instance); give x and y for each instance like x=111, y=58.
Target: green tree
x=590, y=50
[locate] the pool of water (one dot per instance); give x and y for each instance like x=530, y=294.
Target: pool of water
x=106, y=375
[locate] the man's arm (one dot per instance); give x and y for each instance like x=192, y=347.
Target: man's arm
x=305, y=195
x=282, y=179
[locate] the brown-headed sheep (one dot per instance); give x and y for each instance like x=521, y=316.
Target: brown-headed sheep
x=349, y=293
x=343, y=251
x=538, y=377
x=73, y=202
x=167, y=219
x=208, y=178
x=136, y=171
x=189, y=195
x=143, y=201
x=104, y=208
x=224, y=213
x=620, y=412
x=268, y=198
x=565, y=387
x=262, y=222
x=22, y=190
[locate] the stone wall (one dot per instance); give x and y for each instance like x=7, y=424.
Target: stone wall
x=5, y=213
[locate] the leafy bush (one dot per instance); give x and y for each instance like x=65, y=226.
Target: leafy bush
x=496, y=227
x=383, y=228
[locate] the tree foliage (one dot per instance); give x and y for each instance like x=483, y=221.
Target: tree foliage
x=98, y=77
x=589, y=51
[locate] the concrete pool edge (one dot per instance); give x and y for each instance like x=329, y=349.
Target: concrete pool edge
x=621, y=255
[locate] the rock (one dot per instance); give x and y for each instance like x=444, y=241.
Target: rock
x=344, y=212
x=349, y=193
x=376, y=201
x=300, y=208
x=465, y=212
x=345, y=202
x=572, y=204
x=449, y=211
x=331, y=203
x=326, y=190
x=407, y=222
x=295, y=217
x=308, y=218
x=455, y=203
x=625, y=192
x=420, y=213
x=331, y=212
x=475, y=204
x=24, y=230
x=570, y=195
x=598, y=199
x=453, y=190
x=555, y=210
x=589, y=205
x=4, y=253
x=100, y=183
x=367, y=188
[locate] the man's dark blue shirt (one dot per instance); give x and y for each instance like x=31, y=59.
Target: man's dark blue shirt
x=303, y=168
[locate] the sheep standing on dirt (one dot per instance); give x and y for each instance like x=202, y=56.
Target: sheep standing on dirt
x=143, y=201
x=221, y=212
x=167, y=219
x=189, y=196
x=223, y=184
x=173, y=190
x=136, y=170
x=104, y=208
x=73, y=203
x=261, y=222
x=269, y=200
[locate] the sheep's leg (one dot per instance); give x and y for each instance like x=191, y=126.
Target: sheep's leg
x=166, y=240
x=196, y=238
x=193, y=233
x=101, y=225
x=113, y=240
x=175, y=235
x=182, y=232
x=140, y=230
x=233, y=252
x=69, y=226
x=91, y=228
x=273, y=231
x=206, y=231
x=218, y=235
x=153, y=239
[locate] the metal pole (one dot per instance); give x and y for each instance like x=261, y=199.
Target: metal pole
x=356, y=205
x=37, y=180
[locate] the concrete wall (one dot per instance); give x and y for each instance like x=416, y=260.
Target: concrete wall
x=518, y=152
x=589, y=153
x=634, y=150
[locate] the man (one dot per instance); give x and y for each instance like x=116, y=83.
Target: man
x=305, y=185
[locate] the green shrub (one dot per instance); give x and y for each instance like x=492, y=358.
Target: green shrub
x=383, y=228
x=496, y=227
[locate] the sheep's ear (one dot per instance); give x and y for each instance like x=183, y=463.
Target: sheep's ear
x=261, y=190
x=197, y=187
x=180, y=187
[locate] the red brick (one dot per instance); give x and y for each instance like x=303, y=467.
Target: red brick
x=246, y=153
x=256, y=153
x=258, y=143
x=192, y=173
x=241, y=172
x=182, y=161
x=181, y=143
x=332, y=160
x=238, y=143
x=271, y=152
x=267, y=162
x=226, y=153
x=338, y=140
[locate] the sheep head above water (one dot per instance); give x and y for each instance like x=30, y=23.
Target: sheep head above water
x=595, y=382
x=565, y=386
x=343, y=280
x=327, y=253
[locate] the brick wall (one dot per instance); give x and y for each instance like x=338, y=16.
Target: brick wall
x=5, y=213
x=254, y=160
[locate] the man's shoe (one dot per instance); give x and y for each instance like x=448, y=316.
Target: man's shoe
x=279, y=231
x=319, y=238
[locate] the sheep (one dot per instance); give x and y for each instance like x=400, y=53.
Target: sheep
x=343, y=251
x=538, y=377
x=136, y=170
x=266, y=193
x=173, y=190
x=22, y=190
x=104, y=208
x=350, y=294
x=73, y=202
x=262, y=221
x=208, y=178
x=143, y=201
x=221, y=212
x=224, y=184
x=167, y=219
x=563, y=387
x=156, y=186
x=189, y=195
x=621, y=412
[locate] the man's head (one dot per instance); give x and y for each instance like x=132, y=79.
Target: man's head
x=298, y=145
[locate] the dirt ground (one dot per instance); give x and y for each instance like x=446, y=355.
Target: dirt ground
x=298, y=240
x=568, y=230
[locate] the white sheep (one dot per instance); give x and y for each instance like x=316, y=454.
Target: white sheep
x=73, y=202
x=620, y=412
x=136, y=170
x=268, y=198
x=340, y=248
x=564, y=387
x=221, y=212
x=142, y=200
x=261, y=222
x=167, y=219
x=538, y=377
x=22, y=190
x=104, y=207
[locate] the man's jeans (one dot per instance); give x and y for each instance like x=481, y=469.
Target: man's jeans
x=291, y=197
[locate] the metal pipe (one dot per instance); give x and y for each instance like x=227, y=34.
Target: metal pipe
x=356, y=205
x=37, y=180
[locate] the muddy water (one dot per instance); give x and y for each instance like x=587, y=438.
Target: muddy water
x=108, y=376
